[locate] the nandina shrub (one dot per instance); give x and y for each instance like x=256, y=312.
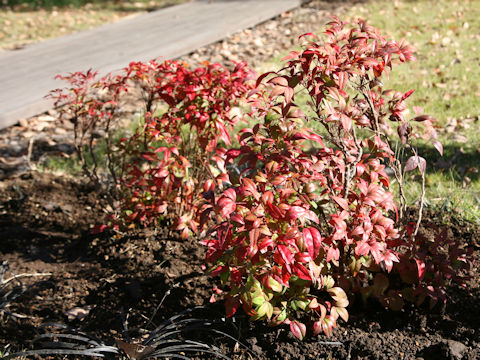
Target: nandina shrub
x=158, y=171
x=312, y=217
x=175, y=152
x=92, y=105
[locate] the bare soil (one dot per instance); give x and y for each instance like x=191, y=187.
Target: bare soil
x=44, y=228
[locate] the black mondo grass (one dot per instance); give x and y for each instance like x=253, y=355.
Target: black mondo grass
x=170, y=340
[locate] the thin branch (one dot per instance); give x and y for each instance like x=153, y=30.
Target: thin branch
x=351, y=167
x=368, y=97
x=397, y=171
x=150, y=321
x=422, y=198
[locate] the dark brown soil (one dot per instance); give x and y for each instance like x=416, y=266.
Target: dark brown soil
x=44, y=228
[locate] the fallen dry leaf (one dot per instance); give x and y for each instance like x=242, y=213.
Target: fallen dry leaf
x=78, y=313
x=458, y=138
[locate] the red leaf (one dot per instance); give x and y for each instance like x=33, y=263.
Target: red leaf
x=231, y=306
x=277, y=90
x=274, y=210
x=293, y=55
x=150, y=156
x=263, y=76
x=267, y=197
x=307, y=34
x=279, y=80
x=420, y=268
x=227, y=206
x=333, y=253
x=368, y=61
x=389, y=258
x=341, y=201
x=328, y=325
x=237, y=218
x=424, y=118
x=251, y=188
x=422, y=164
x=230, y=193
x=310, y=215
x=298, y=212
x=313, y=241
x=301, y=271
x=317, y=327
x=209, y=185
x=407, y=94
x=362, y=248
x=288, y=93
x=286, y=254
x=232, y=154
x=298, y=329
x=412, y=163
x=342, y=80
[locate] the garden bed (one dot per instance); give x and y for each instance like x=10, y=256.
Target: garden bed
x=100, y=284
x=44, y=227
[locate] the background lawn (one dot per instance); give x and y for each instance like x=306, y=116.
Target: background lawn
x=31, y=21
x=446, y=77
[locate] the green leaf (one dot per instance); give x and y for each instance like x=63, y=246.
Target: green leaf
x=258, y=301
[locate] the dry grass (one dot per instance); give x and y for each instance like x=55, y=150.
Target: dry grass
x=446, y=78
x=20, y=26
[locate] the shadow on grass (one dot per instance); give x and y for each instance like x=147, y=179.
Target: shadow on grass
x=459, y=159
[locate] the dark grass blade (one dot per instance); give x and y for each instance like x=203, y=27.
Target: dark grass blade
x=179, y=315
x=170, y=327
x=203, y=351
x=159, y=342
x=201, y=324
x=181, y=324
x=170, y=356
x=166, y=341
x=95, y=352
x=62, y=345
x=68, y=336
x=72, y=330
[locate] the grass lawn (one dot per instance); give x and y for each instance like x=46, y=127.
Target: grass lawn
x=22, y=25
x=446, y=77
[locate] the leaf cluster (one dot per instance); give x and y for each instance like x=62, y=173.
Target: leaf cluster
x=157, y=172
x=312, y=220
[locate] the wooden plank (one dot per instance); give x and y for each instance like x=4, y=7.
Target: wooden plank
x=27, y=75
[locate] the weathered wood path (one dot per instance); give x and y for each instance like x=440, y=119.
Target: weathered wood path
x=27, y=75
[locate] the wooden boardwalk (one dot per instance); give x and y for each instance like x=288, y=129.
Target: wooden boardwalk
x=27, y=75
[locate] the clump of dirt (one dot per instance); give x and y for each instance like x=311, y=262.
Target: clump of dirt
x=152, y=275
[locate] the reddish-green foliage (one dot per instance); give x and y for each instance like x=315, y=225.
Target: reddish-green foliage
x=429, y=264
x=92, y=106
x=175, y=152
x=301, y=214
x=161, y=168
x=312, y=214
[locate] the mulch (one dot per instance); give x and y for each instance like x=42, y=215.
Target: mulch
x=44, y=227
